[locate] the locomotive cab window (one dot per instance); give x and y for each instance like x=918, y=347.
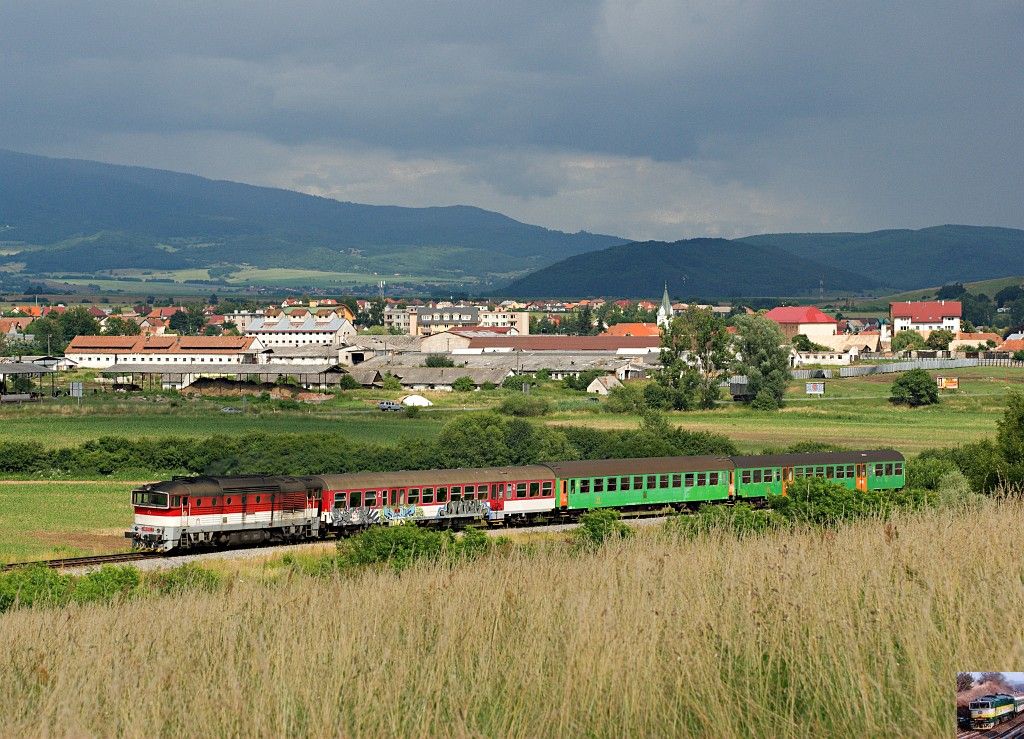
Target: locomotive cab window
x=149, y=498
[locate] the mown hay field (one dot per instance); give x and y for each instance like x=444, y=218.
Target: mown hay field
x=853, y=632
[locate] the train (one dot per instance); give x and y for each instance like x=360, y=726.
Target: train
x=994, y=708
x=194, y=512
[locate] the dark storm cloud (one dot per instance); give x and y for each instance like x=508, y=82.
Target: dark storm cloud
x=858, y=115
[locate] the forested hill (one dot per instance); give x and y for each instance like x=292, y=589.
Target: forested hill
x=709, y=268
x=94, y=216
x=906, y=259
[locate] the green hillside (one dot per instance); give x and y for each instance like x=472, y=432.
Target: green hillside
x=904, y=259
x=94, y=217
x=697, y=268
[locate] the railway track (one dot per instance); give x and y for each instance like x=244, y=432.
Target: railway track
x=125, y=557
x=95, y=559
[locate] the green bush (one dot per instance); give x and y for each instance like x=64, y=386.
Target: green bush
x=390, y=382
x=1018, y=356
x=598, y=527
x=765, y=400
x=464, y=385
x=412, y=411
x=926, y=473
x=914, y=388
x=401, y=546
x=34, y=586
x=107, y=584
x=524, y=406
x=438, y=360
x=627, y=398
x=183, y=579
x=348, y=382
x=738, y=520
x=823, y=502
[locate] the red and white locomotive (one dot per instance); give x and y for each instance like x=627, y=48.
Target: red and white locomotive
x=189, y=512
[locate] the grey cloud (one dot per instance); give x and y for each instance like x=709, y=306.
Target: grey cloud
x=864, y=114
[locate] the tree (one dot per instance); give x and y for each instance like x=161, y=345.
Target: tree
x=939, y=339
x=763, y=356
x=802, y=344
x=951, y=291
x=1017, y=312
x=373, y=315
x=118, y=326
x=49, y=335
x=694, y=356
x=907, y=340
x=189, y=321
x=78, y=322
x=1009, y=294
x=914, y=388
x=1010, y=437
x=438, y=360
x=464, y=385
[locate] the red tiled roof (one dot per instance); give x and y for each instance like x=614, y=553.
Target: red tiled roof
x=167, y=344
x=799, y=314
x=1011, y=345
x=926, y=311
x=633, y=329
x=120, y=343
x=6, y=324
x=979, y=336
x=554, y=342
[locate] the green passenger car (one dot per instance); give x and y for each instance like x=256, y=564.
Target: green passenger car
x=658, y=481
x=771, y=474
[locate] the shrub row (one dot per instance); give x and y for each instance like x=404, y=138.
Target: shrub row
x=480, y=439
x=43, y=587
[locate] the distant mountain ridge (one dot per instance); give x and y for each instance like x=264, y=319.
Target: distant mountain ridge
x=695, y=267
x=784, y=265
x=90, y=215
x=909, y=259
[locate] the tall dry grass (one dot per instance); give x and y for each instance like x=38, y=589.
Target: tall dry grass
x=857, y=632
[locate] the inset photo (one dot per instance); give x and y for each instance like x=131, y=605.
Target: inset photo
x=990, y=704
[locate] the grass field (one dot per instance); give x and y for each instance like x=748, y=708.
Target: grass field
x=66, y=425
x=981, y=287
x=856, y=632
x=40, y=520
x=855, y=412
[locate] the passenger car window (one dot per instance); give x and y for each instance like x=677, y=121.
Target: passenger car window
x=624, y=483
x=663, y=481
x=534, y=489
x=613, y=484
x=677, y=481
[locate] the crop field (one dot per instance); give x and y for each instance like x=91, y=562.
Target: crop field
x=855, y=412
x=69, y=427
x=653, y=636
x=42, y=520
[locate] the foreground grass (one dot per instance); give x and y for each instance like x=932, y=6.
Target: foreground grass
x=42, y=520
x=854, y=632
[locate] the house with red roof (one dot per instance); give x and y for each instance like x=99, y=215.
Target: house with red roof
x=1011, y=346
x=633, y=329
x=808, y=320
x=925, y=316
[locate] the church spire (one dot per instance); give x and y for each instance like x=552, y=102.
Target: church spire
x=665, y=311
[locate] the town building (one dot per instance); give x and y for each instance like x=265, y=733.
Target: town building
x=633, y=329
x=604, y=384
x=973, y=340
x=424, y=320
x=926, y=316
x=300, y=330
x=808, y=320
x=665, y=310
x=100, y=352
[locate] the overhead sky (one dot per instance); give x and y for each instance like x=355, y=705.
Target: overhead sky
x=648, y=119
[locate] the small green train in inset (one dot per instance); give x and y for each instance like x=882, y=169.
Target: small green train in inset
x=682, y=481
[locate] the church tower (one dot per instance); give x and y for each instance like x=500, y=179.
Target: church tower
x=665, y=310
